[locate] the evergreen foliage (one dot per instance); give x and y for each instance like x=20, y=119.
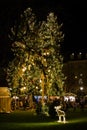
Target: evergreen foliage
x=37, y=58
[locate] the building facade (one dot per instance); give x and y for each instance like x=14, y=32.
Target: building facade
x=76, y=73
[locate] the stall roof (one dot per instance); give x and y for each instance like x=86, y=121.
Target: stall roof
x=4, y=91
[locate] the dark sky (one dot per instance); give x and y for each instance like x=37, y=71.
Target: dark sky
x=72, y=15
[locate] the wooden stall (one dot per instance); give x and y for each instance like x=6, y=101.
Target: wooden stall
x=5, y=100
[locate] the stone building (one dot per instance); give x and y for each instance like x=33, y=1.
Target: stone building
x=76, y=72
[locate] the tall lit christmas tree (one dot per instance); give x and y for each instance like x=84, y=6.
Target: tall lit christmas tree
x=37, y=64
x=50, y=38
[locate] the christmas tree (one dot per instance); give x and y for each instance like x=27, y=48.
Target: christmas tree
x=37, y=64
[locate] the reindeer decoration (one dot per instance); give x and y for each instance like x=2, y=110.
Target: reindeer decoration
x=60, y=113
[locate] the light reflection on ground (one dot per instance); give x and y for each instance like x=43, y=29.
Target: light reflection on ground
x=41, y=124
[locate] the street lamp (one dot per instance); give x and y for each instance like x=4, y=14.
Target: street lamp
x=81, y=88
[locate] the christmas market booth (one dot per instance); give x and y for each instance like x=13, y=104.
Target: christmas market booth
x=70, y=97
x=5, y=100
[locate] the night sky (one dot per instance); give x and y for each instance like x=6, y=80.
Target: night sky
x=72, y=15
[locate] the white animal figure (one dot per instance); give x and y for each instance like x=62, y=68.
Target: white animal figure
x=60, y=113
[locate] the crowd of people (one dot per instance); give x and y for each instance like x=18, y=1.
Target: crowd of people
x=47, y=107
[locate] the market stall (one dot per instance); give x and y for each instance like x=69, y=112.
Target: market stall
x=5, y=100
